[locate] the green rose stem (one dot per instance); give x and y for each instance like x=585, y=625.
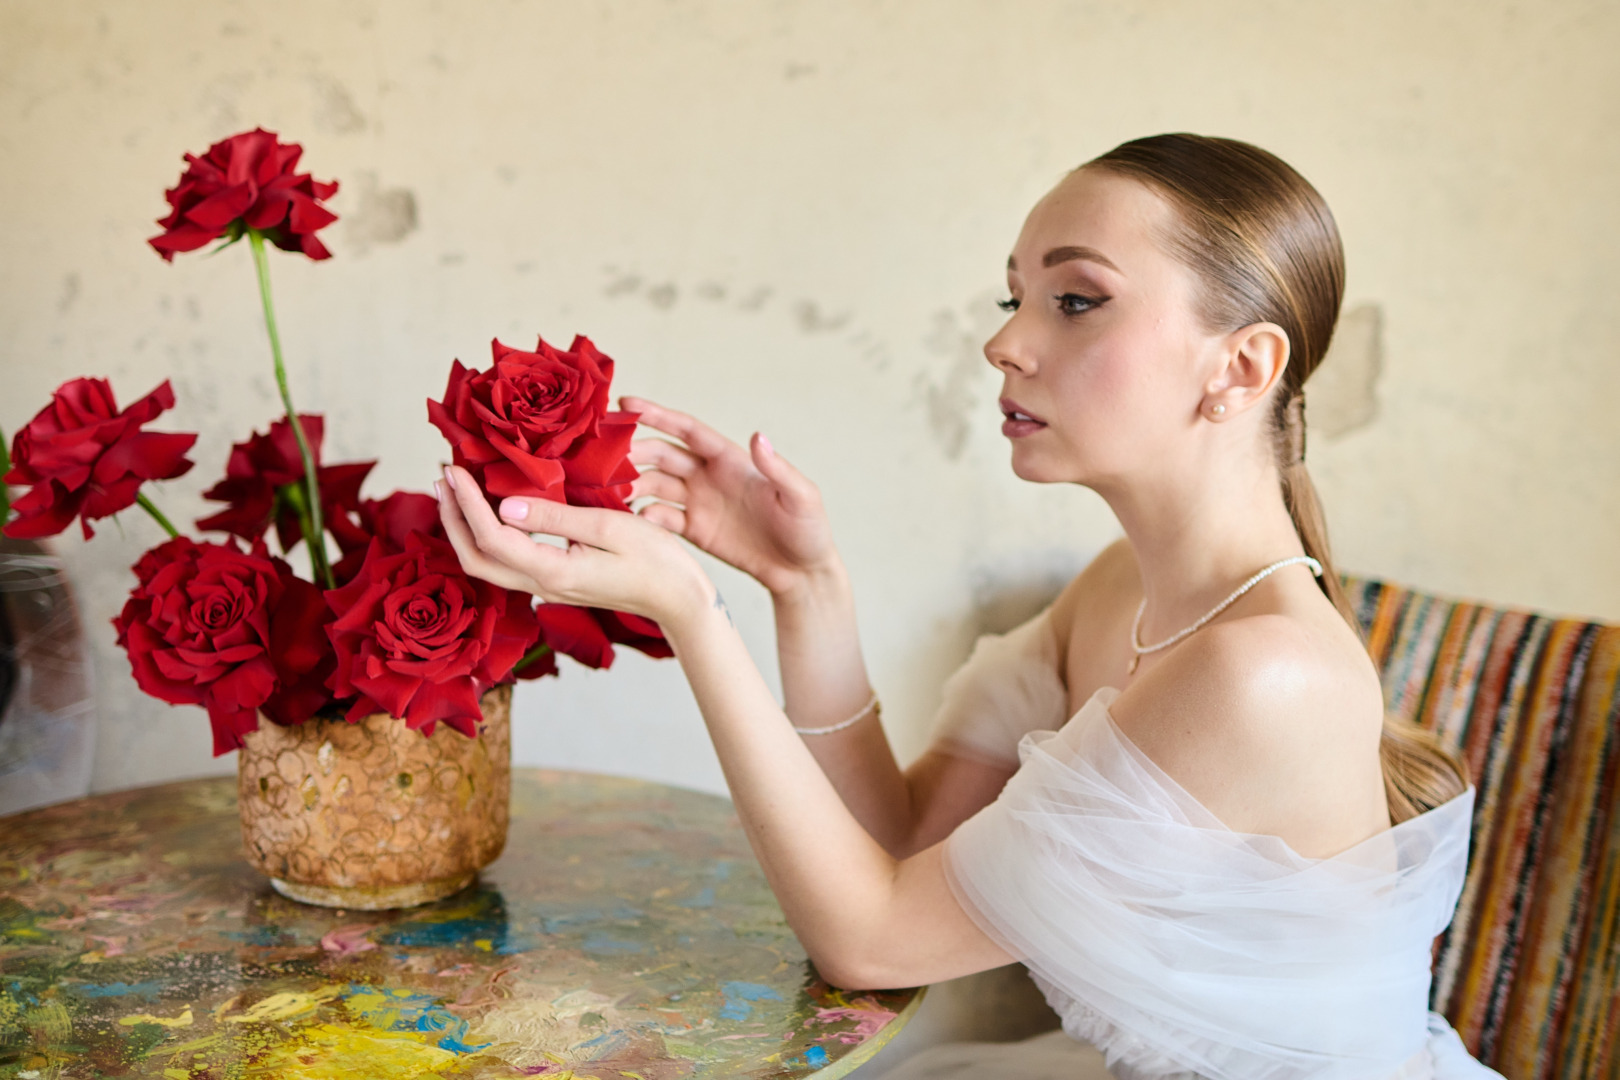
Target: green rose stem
x=315, y=532
x=531, y=656
x=157, y=515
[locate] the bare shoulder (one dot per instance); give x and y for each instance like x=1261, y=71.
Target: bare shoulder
x=1089, y=607
x=1272, y=722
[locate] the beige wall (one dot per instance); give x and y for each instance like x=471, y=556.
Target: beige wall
x=792, y=216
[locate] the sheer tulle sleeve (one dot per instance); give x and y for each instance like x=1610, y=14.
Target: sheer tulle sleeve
x=1183, y=949
x=1009, y=686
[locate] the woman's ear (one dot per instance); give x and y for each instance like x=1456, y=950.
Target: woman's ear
x=1253, y=359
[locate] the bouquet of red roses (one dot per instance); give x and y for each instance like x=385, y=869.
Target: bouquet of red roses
x=386, y=621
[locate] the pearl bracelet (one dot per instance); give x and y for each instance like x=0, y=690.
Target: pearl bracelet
x=872, y=706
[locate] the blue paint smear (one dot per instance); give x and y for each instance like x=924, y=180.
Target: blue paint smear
x=418, y=1012
x=261, y=936
x=602, y=944
x=722, y=869
x=704, y=899
x=426, y=935
x=740, y=996
x=121, y=989
x=816, y=1056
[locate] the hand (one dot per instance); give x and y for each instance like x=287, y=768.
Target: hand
x=749, y=508
x=613, y=559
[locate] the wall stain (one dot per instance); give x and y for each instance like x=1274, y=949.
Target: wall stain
x=622, y=285
x=383, y=215
x=812, y=320
x=71, y=287
x=1341, y=396
x=1011, y=593
x=334, y=106
x=949, y=396
x=663, y=296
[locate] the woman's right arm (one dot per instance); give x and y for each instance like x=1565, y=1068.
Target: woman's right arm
x=752, y=509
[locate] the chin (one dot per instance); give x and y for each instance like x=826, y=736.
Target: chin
x=1038, y=468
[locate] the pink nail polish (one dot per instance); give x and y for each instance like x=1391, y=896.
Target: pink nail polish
x=514, y=509
x=765, y=444
x=449, y=479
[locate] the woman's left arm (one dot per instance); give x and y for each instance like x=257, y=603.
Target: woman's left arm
x=866, y=919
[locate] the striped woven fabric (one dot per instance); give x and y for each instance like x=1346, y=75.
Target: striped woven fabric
x=1529, y=972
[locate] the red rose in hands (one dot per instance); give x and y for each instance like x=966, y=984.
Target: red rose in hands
x=86, y=459
x=234, y=631
x=537, y=424
x=262, y=486
x=246, y=181
x=392, y=521
x=417, y=638
x=589, y=634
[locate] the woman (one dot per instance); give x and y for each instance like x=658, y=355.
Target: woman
x=1172, y=793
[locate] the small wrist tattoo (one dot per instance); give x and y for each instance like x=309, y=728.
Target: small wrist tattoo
x=720, y=606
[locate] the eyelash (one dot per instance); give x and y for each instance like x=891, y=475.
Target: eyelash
x=1010, y=304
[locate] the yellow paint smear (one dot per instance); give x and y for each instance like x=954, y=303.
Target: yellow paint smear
x=183, y=1020
x=332, y=1052
x=285, y=1006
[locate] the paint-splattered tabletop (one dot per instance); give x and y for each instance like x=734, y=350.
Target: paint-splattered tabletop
x=627, y=932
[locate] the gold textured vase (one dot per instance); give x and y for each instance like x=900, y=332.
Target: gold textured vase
x=373, y=815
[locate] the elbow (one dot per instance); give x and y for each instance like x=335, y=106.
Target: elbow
x=858, y=969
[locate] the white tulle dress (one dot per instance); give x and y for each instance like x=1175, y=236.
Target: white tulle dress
x=1175, y=946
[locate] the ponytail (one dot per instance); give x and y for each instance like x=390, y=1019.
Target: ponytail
x=1419, y=774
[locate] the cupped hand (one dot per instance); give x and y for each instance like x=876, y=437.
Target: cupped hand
x=747, y=507
x=613, y=559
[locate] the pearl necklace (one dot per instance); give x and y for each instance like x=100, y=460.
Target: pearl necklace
x=1136, y=625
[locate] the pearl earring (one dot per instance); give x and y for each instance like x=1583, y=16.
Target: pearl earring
x=1217, y=409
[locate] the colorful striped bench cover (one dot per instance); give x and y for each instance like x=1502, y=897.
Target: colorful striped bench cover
x=1529, y=972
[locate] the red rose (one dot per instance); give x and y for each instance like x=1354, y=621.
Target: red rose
x=260, y=473
x=417, y=638
x=86, y=459
x=246, y=181
x=537, y=424
x=389, y=520
x=234, y=631
x=589, y=634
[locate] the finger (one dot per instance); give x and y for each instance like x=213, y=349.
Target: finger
x=665, y=516
x=502, y=544
x=473, y=561
x=691, y=431
x=659, y=485
x=666, y=456
x=589, y=525
x=777, y=469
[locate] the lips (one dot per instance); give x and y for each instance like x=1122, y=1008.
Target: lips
x=1019, y=421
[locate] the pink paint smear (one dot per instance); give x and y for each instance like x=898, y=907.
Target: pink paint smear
x=868, y=1021
x=347, y=940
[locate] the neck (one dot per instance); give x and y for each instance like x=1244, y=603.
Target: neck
x=1198, y=533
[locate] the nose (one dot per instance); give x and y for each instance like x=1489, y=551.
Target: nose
x=1006, y=351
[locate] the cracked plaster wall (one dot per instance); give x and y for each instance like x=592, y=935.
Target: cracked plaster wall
x=793, y=216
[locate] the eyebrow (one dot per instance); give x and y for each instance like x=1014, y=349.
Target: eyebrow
x=1068, y=254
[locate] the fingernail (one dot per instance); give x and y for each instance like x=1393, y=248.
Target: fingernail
x=514, y=509
x=449, y=479
x=438, y=491
x=765, y=444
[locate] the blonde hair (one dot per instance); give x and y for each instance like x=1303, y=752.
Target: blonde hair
x=1265, y=248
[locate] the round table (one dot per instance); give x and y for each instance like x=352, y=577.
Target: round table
x=626, y=934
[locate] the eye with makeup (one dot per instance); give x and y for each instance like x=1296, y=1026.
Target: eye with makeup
x=1068, y=303
x=1075, y=304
